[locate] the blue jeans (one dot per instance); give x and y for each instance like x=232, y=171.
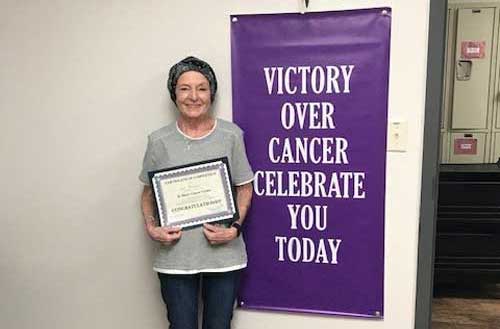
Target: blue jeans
x=180, y=294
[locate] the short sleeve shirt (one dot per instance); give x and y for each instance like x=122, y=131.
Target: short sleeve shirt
x=169, y=147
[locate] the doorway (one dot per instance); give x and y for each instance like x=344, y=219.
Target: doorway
x=459, y=251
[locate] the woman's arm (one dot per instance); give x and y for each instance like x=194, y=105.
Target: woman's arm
x=165, y=235
x=217, y=234
x=243, y=199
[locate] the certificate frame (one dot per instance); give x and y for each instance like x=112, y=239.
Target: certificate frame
x=193, y=194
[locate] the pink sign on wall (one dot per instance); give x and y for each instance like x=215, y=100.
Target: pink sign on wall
x=473, y=49
x=465, y=146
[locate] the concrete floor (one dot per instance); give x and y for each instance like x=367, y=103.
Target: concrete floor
x=468, y=309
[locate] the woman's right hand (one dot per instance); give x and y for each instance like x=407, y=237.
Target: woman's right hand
x=165, y=235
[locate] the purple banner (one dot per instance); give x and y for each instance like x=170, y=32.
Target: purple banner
x=310, y=91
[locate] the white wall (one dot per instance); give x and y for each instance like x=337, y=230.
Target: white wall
x=82, y=83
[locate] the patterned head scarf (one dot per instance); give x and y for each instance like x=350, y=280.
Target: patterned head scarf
x=191, y=64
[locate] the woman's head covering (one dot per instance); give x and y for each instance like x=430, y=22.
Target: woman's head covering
x=191, y=64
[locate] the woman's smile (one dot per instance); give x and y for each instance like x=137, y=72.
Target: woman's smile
x=193, y=95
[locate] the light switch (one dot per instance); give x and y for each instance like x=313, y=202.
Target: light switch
x=397, y=136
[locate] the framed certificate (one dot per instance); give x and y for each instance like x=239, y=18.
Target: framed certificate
x=194, y=194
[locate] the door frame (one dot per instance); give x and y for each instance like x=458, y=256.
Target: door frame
x=430, y=162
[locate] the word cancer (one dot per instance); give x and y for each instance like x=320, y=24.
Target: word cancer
x=326, y=150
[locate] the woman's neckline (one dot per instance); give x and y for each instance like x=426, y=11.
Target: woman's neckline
x=196, y=138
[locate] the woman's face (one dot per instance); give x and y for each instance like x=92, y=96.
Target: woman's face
x=193, y=95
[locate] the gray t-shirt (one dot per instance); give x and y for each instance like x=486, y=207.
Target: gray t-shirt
x=169, y=147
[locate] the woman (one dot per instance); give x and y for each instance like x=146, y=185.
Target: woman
x=210, y=253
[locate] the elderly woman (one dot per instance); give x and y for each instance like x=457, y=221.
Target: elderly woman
x=209, y=256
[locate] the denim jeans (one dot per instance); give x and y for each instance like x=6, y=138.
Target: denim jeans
x=218, y=291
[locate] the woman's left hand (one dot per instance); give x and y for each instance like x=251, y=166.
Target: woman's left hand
x=219, y=234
